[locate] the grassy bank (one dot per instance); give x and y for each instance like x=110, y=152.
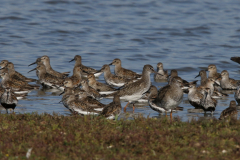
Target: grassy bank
x=76, y=137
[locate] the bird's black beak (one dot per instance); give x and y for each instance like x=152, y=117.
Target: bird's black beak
x=32, y=70
x=197, y=76
x=72, y=60
x=32, y=64
x=2, y=68
x=61, y=93
x=156, y=72
x=99, y=71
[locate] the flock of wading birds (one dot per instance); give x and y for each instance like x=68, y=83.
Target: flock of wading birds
x=133, y=87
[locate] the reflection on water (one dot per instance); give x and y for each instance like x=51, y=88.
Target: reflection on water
x=186, y=35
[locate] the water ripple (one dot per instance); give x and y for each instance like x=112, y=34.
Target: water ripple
x=184, y=35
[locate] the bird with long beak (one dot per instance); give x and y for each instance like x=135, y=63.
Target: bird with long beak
x=211, y=84
x=194, y=96
x=77, y=106
x=47, y=79
x=213, y=73
x=9, y=66
x=45, y=60
x=86, y=70
x=77, y=76
x=14, y=78
x=113, y=109
x=18, y=95
x=135, y=90
x=65, y=94
x=162, y=72
x=8, y=100
x=226, y=82
x=203, y=76
x=16, y=87
x=208, y=103
x=174, y=73
x=231, y=111
x=114, y=80
x=100, y=87
x=122, y=72
x=91, y=91
x=171, y=95
x=153, y=93
x=86, y=98
x=15, y=75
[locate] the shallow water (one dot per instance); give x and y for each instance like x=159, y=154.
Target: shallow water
x=183, y=35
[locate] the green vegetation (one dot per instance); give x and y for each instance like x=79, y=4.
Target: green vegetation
x=75, y=137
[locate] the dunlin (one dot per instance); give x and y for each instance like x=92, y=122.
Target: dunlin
x=134, y=91
x=170, y=96
x=122, y=72
x=77, y=106
x=46, y=61
x=92, y=92
x=164, y=74
x=194, y=96
x=18, y=96
x=47, y=79
x=8, y=83
x=10, y=66
x=208, y=103
x=153, y=93
x=86, y=70
x=213, y=73
x=173, y=73
x=77, y=76
x=100, y=87
x=113, y=80
x=113, y=109
x=231, y=111
x=65, y=94
x=226, y=82
x=88, y=100
x=8, y=99
x=203, y=76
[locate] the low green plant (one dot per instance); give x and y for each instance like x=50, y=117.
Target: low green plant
x=56, y=136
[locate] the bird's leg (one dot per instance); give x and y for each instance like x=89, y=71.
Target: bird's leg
x=166, y=114
x=133, y=107
x=125, y=108
x=205, y=113
x=171, y=115
x=7, y=111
